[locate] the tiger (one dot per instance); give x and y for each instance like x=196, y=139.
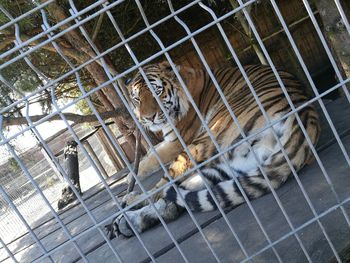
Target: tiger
x=241, y=169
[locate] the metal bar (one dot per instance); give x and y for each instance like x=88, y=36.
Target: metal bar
x=57, y=26
x=324, y=44
x=232, y=115
x=210, y=134
x=342, y=14
x=43, y=143
x=275, y=135
x=5, y=54
x=233, y=53
x=281, y=84
x=27, y=173
x=83, y=150
x=95, y=158
x=15, y=20
x=323, y=109
x=137, y=62
x=38, y=135
x=309, y=222
x=114, y=144
x=8, y=251
x=118, y=88
x=237, y=9
x=144, y=62
x=18, y=213
x=98, y=57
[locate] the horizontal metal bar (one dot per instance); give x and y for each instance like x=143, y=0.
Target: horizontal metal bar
x=17, y=19
x=133, y=68
x=304, y=225
x=56, y=26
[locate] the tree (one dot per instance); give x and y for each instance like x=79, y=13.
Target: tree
x=75, y=47
x=336, y=34
x=76, y=118
x=77, y=50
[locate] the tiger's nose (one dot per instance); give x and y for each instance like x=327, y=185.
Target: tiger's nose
x=151, y=118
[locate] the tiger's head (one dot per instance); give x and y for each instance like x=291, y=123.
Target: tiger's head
x=169, y=91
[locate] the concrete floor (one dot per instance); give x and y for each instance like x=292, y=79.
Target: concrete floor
x=214, y=226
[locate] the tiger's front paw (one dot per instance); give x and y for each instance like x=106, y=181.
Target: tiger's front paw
x=120, y=226
x=180, y=165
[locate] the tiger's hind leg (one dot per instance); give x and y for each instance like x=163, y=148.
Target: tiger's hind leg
x=143, y=218
x=146, y=217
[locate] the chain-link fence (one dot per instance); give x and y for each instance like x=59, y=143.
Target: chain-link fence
x=247, y=129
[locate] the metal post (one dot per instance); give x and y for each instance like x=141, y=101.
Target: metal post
x=72, y=168
x=108, y=148
x=95, y=158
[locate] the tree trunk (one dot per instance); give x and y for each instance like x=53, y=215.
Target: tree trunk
x=76, y=118
x=336, y=35
x=108, y=96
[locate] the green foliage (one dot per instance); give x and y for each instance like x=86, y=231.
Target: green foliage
x=128, y=18
x=16, y=8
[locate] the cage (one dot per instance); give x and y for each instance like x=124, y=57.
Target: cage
x=66, y=67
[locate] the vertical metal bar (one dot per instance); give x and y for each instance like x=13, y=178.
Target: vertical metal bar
x=27, y=173
x=235, y=121
x=137, y=62
x=56, y=26
x=299, y=228
x=323, y=41
x=72, y=187
x=342, y=14
x=52, y=82
x=63, y=172
x=325, y=173
x=234, y=55
x=117, y=88
x=282, y=86
x=7, y=249
x=120, y=151
x=144, y=191
x=43, y=143
x=197, y=111
x=83, y=150
x=37, y=188
x=335, y=67
x=18, y=213
x=177, y=133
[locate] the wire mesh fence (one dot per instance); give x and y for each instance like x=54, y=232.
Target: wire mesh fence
x=59, y=54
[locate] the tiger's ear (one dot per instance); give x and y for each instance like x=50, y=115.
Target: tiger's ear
x=127, y=81
x=127, y=84
x=165, y=65
x=187, y=73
